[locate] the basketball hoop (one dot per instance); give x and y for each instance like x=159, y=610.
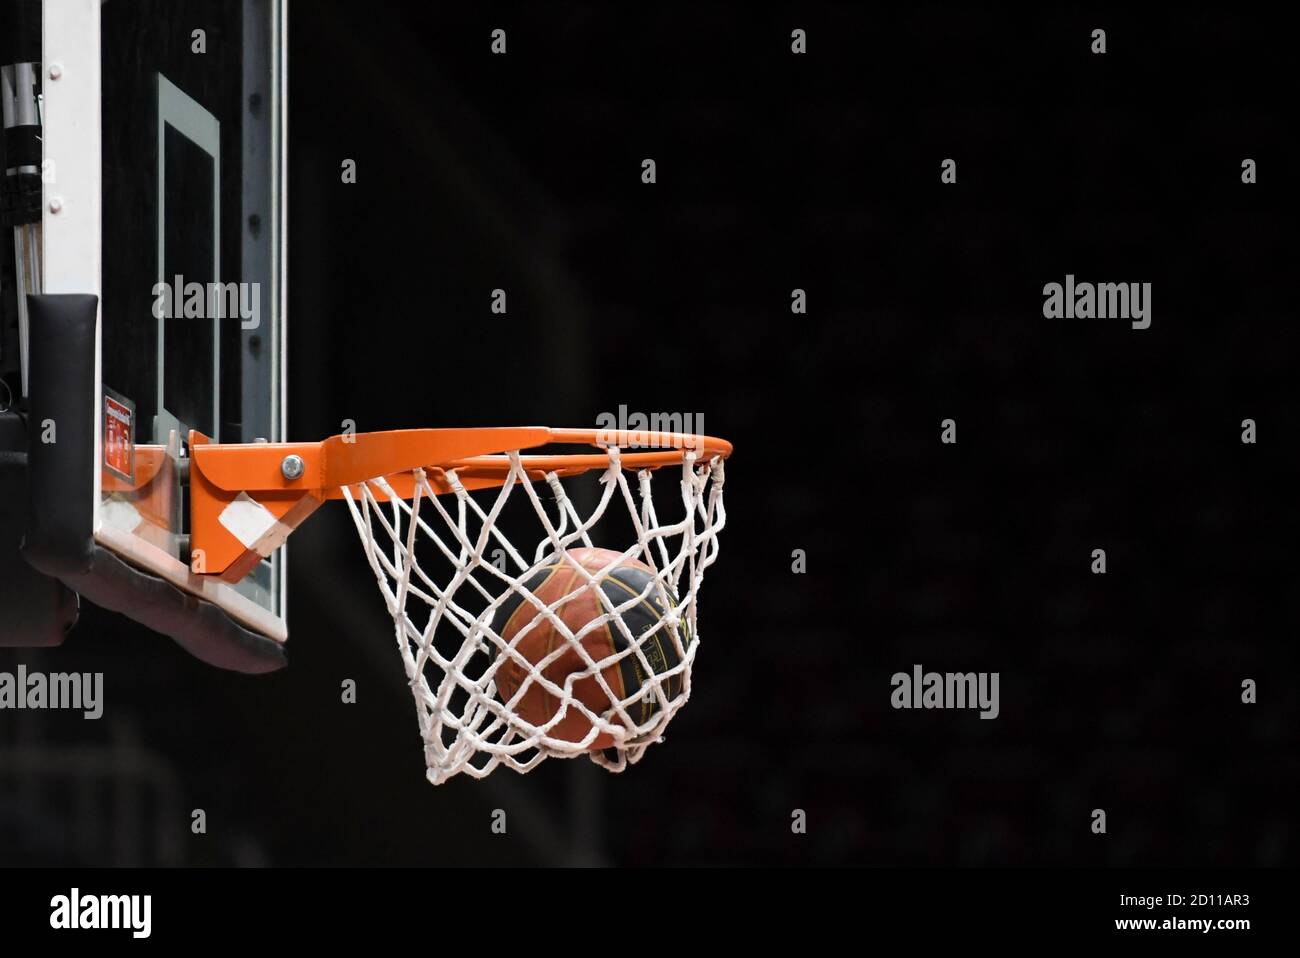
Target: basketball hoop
x=522, y=636
x=447, y=569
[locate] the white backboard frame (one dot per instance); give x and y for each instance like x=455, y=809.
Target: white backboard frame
x=176, y=109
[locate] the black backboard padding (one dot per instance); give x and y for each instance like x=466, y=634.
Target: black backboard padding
x=61, y=474
x=200, y=628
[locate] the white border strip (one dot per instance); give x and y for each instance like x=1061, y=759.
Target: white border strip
x=186, y=116
x=71, y=237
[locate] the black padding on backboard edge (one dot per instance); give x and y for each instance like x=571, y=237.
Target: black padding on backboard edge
x=199, y=627
x=61, y=403
x=59, y=540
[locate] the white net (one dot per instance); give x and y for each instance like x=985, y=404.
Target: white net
x=514, y=655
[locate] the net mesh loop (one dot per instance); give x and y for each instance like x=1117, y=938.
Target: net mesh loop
x=445, y=567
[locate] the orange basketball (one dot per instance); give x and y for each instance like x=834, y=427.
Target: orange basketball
x=625, y=676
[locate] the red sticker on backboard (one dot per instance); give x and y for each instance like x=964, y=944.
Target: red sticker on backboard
x=119, y=446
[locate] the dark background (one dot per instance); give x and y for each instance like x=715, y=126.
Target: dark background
x=820, y=172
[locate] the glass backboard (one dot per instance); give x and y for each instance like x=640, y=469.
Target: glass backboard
x=191, y=198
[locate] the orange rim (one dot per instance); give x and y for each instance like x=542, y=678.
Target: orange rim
x=671, y=449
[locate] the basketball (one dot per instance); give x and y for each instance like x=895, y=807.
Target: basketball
x=625, y=676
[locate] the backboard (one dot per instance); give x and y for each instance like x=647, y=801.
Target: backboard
x=177, y=219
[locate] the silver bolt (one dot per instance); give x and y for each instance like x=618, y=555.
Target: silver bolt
x=56, y=204
x=56, y=70
x=292, y=467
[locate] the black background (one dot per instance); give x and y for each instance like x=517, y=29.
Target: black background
x=819, y=172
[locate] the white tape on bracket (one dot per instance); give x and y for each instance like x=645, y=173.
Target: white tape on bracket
x=254, y=525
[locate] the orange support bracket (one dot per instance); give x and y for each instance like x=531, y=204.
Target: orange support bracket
x=246, y=498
